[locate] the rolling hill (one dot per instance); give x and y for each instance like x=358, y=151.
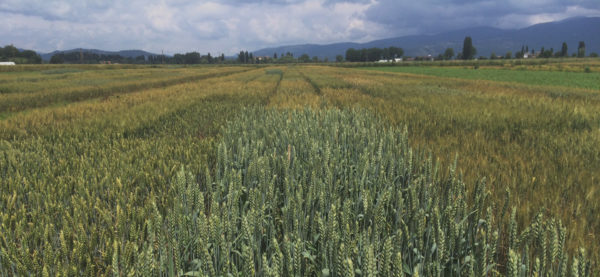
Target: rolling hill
x=122, y=53
x=487, y=40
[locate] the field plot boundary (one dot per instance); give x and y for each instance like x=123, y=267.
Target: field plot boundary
x=24, y=103
x=589, y=79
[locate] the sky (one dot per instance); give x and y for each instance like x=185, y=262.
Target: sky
x=228, y=26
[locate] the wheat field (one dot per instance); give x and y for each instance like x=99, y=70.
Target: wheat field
x=299, y=171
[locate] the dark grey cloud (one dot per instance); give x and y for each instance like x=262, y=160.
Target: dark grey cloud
x=58, y=10
x=402, y=17
x=231, y=25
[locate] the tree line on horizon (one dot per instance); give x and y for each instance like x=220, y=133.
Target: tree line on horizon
x=246, y=57
x=468, y=52
x=93, y=58
x=10, y=53
x=373, y=54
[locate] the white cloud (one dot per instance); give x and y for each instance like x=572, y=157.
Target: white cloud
x=161, y=17
x=571, y=11
x=232, y=25
x=520, y=20
x=182, y=25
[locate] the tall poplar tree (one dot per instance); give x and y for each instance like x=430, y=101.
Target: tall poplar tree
x=581, y=49
x=564, y=50
x=468, y=50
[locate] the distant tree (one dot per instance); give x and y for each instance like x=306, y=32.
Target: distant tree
x=508, y=55
x=468, y=50
x=546, y=53
x=10, y=51
x=519, y=55
x=315, y=59
x=594, y=55
x=304, y=58
x=192, y=58
x=286, y=59
x=581, y=49
x=339, y=58
x=250, y=58
x=177, y=58
x=246, y=57
x=274, y=56
x=364, y=56
x=371, y=54
x=374, y=54
x=57, y=58
x=352, y=55
x=28, y=56
x=396, y=52
x=558, y=54
x=493, y=56
x=140, y=59
x=222, y=57
x=564, y=52
x=448, y=54
x=386, y=54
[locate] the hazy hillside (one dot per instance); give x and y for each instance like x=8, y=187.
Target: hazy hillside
x=122, y=53
x=485, y=39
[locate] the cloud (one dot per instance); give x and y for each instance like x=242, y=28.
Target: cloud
x=403, y=17
x=514, y=20
x=232, y=25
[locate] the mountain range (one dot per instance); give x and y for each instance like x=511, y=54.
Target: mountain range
x=486, y=40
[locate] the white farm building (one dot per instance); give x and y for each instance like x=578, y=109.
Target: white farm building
x=7, y=63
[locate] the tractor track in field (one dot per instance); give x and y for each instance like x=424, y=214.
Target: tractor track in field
x=311, y=82
x=274, y=91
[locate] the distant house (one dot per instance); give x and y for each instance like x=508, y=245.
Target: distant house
x=7, y=63
x=390, y=61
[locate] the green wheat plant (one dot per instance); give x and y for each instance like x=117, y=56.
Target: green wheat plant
x=332, y=192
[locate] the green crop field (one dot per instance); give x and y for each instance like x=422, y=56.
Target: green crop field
x=523, y=75
x=300, y=170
